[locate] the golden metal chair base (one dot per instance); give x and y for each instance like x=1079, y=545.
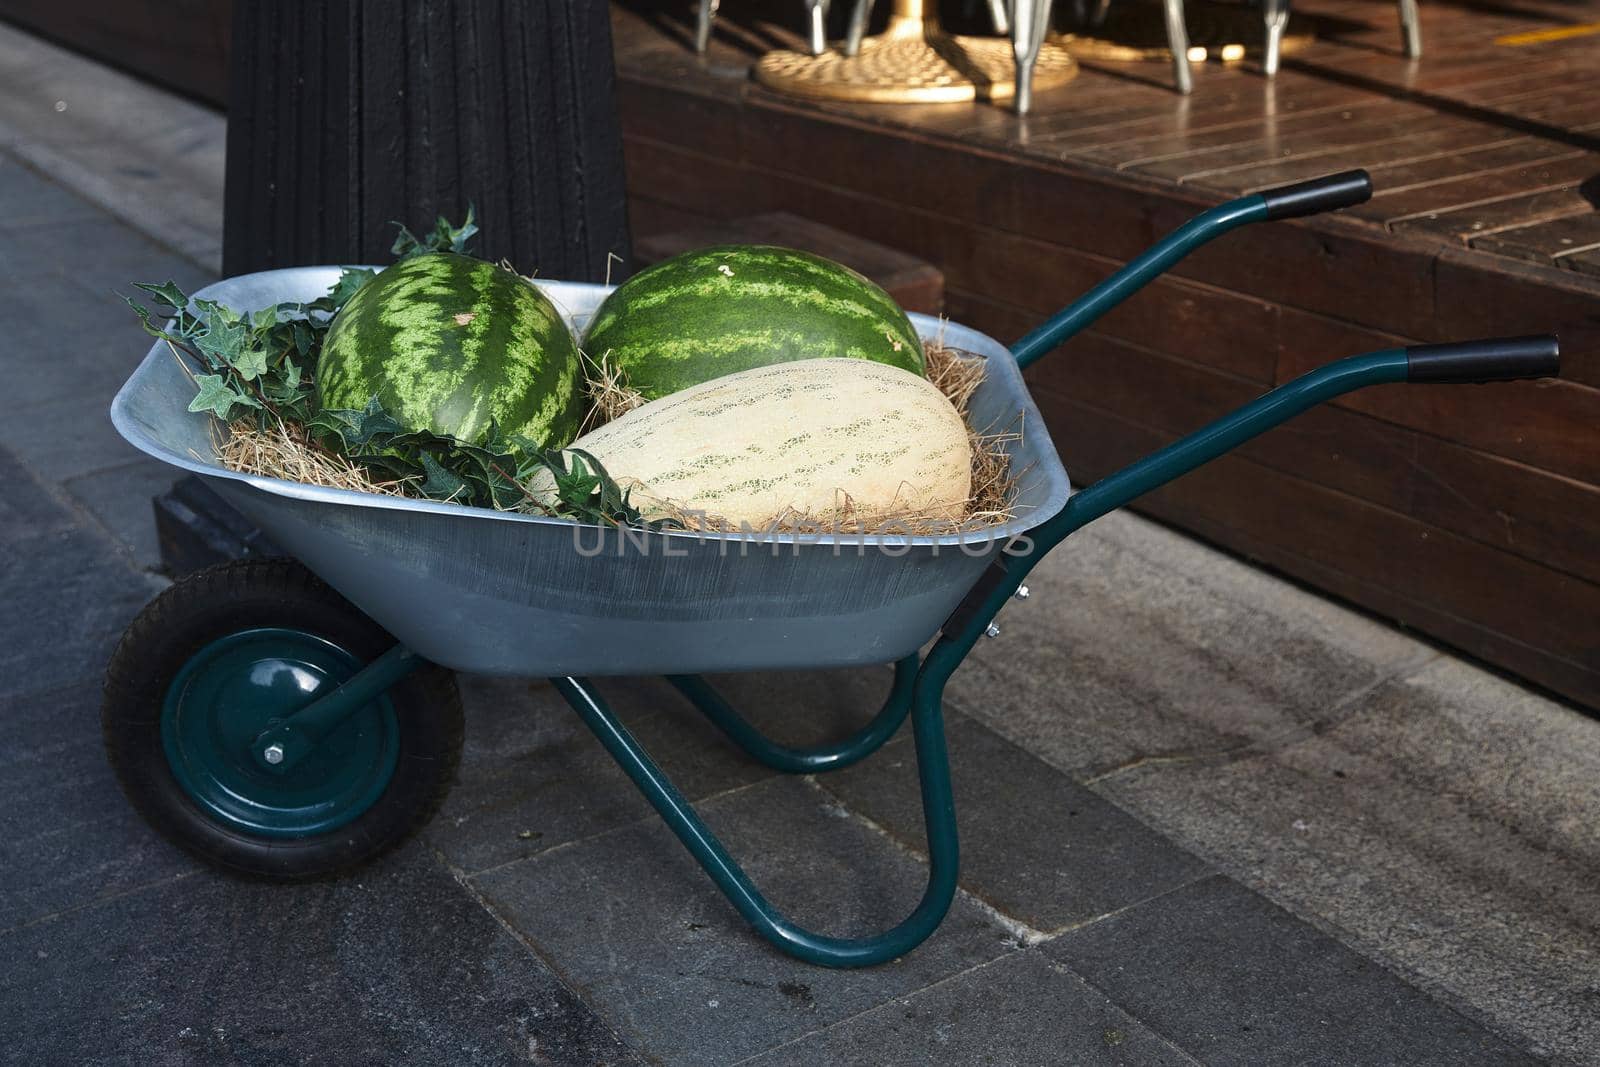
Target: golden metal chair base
x=903, y=68
x=1135, y=32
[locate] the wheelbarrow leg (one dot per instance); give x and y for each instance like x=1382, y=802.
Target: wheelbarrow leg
x=831, y=757
x=938, y=807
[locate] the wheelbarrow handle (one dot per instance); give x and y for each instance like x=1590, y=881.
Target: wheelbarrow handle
x=1505, y=359
x=1472, y=361
x=1328, y=193
x=1290, y=201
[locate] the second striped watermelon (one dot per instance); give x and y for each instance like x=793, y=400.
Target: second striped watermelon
x=720, y=310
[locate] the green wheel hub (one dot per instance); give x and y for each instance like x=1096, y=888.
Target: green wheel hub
x=234, y=688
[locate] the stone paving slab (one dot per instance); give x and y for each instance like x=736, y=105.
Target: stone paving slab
x=399, y=966
x=643, y=934
x=74, y=597
x=121, y=257
x=145, y=155
x=67, y=837
x=66, y=438
x=32, y=201
x=1450, y=823
x=26, y=510
x=1023, y=1008
x=534, y=778
x=1140, y=645
x=1233, y=979
x=1042, y=849
x=119, y=499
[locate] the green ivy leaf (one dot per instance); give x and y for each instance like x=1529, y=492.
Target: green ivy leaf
x=146, y=319
x=166, y=292
x=439, y=483
x=442, y=238
x=251, y=363
x=218, y=397
x=222, y=343
x=303, y=336
x=350, y=280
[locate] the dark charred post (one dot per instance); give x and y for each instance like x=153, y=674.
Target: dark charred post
x=345, y=116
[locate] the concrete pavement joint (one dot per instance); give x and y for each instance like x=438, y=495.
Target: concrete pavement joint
x=1280, y=740
x=1024, y=935
x=879, y=1006
x=97, y=902
x=529, y=945
x=647, y=820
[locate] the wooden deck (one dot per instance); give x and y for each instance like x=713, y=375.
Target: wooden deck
x=1472, y=514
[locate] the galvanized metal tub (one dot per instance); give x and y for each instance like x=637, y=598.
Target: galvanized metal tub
x=500, y=593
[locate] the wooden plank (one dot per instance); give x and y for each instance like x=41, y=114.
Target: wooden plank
x=1551, y=520
x=1506, y=213
x=1546, y=242
x=1352, y=133
x=1237, y=333
x=1454, y=149
x=1302, y=88
x=1392, y=179
x=1353, y=453
x=706, y=124
x=1483, y=296
x=1551, y=425
x=1583, y=262
x=1446, y=208
x=1534, y=620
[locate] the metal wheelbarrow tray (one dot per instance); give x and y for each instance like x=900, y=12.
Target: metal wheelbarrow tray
x=275, y=728
x=495, y=592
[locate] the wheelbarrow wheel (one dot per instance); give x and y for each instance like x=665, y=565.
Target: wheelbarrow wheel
x=206, y=667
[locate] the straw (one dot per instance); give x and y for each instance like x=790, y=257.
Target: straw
x=283, y=451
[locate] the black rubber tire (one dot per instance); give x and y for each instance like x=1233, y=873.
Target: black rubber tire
x=242, y=595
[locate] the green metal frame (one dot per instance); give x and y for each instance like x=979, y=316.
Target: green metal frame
x=1138, y=273
x=918, y=688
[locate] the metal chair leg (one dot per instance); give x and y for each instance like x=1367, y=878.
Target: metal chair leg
x=817, y=25
x=858, y=27
x=702, y=29
x=1276, y=14
x=1178, y=42
x=1029, y=21
x=998, y=15
x=1410, y=28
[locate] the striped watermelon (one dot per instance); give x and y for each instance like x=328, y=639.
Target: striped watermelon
x=829, y=439
x=447, y=343
x=717, y=311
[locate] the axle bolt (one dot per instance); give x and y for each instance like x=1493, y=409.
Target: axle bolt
x=273, y=754
x=1021, y=593
x=992, y=631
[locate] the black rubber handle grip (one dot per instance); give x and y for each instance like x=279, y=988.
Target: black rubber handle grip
x=1328, y=193
x=1499, y=360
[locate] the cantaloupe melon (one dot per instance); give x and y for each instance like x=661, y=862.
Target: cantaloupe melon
x=828, y=439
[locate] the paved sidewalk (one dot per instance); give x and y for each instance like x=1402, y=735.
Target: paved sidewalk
x=1206, y=816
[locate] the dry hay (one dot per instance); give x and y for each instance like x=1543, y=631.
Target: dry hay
x=283, y=451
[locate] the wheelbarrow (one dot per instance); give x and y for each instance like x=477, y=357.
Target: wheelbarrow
x=293, y=718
